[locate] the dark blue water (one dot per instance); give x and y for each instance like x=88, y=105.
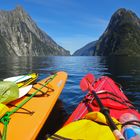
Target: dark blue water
x=124, y=70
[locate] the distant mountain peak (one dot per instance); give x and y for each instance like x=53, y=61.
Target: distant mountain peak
x=121, y=37
x=20, y=36
x=87, y=50
x=122, y=14
x=122, y=11
x=19, y=10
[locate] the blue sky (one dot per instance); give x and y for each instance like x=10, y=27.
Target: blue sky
x=72, y=23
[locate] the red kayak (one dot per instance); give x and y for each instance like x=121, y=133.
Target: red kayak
x=111, y=96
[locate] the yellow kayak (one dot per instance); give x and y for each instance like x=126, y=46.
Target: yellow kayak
x=23, y=80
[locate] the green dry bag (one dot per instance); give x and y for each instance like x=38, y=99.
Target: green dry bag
x=8, y=91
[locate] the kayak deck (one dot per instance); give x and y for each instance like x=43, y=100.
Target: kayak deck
x=111, y=96
x=23, y=80
x=26, y=123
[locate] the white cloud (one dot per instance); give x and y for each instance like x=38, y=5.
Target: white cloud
x=90, y=21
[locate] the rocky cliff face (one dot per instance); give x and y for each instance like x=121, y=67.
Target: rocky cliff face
x=87, y=50
x=20, y=36
x=121, y=37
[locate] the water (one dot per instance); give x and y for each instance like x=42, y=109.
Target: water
x=124, y=70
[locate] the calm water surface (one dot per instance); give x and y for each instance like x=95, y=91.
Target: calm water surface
x=124, y=70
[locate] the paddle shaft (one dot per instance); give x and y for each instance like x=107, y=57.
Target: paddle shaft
x=105, y=111
x=86, y=84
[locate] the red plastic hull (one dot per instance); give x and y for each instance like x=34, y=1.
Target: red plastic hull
x=111, y=96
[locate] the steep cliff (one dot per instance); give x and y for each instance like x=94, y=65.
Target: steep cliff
x=87, y=50
x=121, y=37
x=20, y=36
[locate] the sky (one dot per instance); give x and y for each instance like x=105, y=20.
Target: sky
x=72, y=23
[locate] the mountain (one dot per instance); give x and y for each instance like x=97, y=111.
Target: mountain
x=87, y=50
x=122, y=35
x=20, y=36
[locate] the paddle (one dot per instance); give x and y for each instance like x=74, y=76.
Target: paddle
x=86, y=84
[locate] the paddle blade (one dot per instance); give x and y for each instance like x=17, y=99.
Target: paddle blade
x=83, y=84
x=88, y=79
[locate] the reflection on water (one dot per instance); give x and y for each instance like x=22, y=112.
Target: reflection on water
x=124, y=70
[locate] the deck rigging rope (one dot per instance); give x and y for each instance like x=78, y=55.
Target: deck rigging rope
x=6, y=118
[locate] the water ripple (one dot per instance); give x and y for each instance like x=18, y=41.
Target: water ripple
x=124, y=70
